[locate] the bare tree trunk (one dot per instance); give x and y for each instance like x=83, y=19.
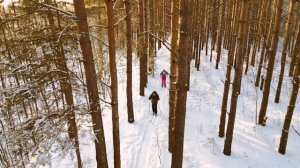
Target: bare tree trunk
x=258, y=31
x=268, y=80
x=173, y=70
x=114, y=82
x=294, y=55
x=291, y=107
x=67, y=90
x=142, y=48
x=284, y=51
x=220, y=31
x=264, y=38
x=249, y=42
x=196, y=33
x=151, y=38
x=183, y=58
x=207, y=17
x=214, y=26
x=228, y=72
x=146, y=42
x=129, y=62
x=91, y=82
x=242, y=38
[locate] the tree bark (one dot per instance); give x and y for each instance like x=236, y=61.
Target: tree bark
x=267, y=84
x=220, y=31
x=258, y=31
x=265, y=47
x=242, y=38
x=129, y=62
x=142, y=48
x=173, y=70
x=182, y=86
x=284, y=51
x=228, y=73
x=66, y=89
x=90, y=74
x=151, y=38
x=291, y=107
x=294, y=55
x=114, y=82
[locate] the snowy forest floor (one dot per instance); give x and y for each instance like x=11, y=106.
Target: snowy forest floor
x=144, y=144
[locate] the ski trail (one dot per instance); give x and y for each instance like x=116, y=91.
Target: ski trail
x=150, y=148
x=150, y=144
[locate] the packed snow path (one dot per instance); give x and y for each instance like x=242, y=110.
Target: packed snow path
x=144, y=143
x=150, y=140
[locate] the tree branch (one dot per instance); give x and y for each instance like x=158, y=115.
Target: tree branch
x=57, y=9
x=99, y=39
x=164, y=43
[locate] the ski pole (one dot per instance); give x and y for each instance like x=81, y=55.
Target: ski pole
x=149, y=106
x=159, y=108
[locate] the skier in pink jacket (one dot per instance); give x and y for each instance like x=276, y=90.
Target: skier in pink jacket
x=163, y=75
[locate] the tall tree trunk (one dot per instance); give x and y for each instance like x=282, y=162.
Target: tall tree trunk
x=66, y=89
x=91, y=82
x=265, y=47
x=214, y=26
x=142, y=48
x=291, y=107
x=129, y=62
x=196, y=24
x=183, y=58
x=220, y=31
x=151, y=37
x=258, y=31
x=250, y=28
x=267, y=84
x=146, y=42
x=228, y=73
x=242, y=38
x=207, y=17
x=114, y=82
x=228, y=24
x=173, y=70
x=294, y=55
x=284, y=51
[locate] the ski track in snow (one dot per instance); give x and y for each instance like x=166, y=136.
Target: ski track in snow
x=144, y=143
x=149, y=151
x=148, y=146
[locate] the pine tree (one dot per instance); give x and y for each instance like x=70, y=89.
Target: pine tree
x=91, y=83
x=294, y=56
x=267, y=85
x=142, y=48
x=173, y=68
x=242, y=38
x=284, y=51
x=129, y=62
x=182, y=86
x=220, y=30
x=66, y=89
x=228, y=73
x=291, y=106
x=114, y=82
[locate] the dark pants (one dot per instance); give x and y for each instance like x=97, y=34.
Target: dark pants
x=154, y=109
x=163, y=82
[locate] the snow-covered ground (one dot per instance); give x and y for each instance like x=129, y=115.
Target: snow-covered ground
x=144, y=144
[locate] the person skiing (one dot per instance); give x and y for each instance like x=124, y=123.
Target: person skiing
x=163, y=75
x=154, y=100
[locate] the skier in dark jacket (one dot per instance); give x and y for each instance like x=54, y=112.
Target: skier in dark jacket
x=154, y=99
